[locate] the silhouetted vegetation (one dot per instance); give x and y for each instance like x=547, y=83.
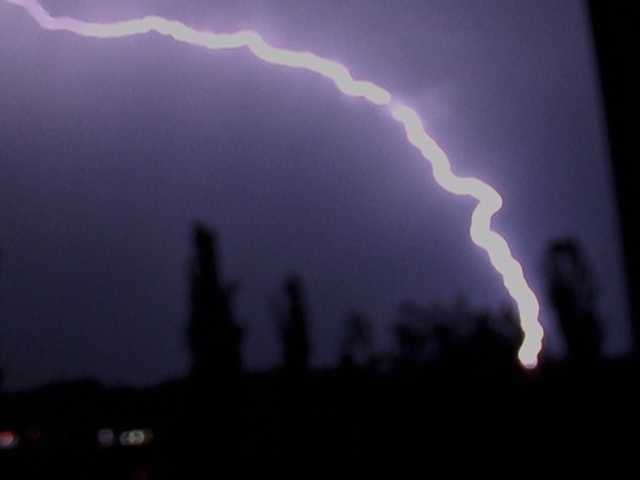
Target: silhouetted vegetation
x=357, y=343
x=215, y=339
x=452, y=375
x=573, y=295
x=293, y=327
x=212, y=397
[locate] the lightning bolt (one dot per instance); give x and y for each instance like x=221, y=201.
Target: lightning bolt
x=489, y=201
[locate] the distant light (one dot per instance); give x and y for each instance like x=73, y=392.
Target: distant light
x=106, y=437
x=135, y=438
x=8, y=440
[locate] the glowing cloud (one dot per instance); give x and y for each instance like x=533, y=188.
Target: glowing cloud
x=489, y=201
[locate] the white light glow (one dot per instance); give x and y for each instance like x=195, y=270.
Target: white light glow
x=135, y=438
x=8, y=440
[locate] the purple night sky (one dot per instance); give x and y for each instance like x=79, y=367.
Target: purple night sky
x=109, y=149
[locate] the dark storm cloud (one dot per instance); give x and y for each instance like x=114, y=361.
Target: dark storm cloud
x=109, y=149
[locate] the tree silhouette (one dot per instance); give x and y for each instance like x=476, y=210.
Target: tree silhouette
x=488, y=348
x=214, y=337
x=210, y=419
x=410, y=336
x=357, y=341
x=573, y=295
x=418, y=330
x=293, y=326
x=455, y=337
